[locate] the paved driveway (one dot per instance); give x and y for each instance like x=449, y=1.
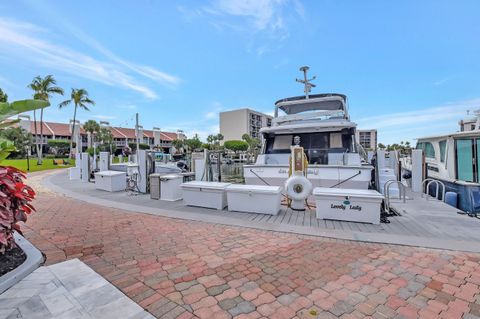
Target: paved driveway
x=184, y=269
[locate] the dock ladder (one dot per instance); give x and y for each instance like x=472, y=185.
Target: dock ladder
x=437, y=183
x=386, y=191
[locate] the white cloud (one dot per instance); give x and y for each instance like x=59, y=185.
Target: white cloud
x=263, y=14
x=214, y=113
x=127, y=107
x=441, y=81
x=144, y=70
x=265, y=19
x=211, y=115
x=104, y=117
x=31, y=43
x=413, y=124
x=450, y=111
x=204, y=126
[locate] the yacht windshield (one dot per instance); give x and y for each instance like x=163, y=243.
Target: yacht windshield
x=320, y=148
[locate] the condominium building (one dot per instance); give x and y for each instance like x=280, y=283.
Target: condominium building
x=367, y=138
x=121, y=135
x=235, y=123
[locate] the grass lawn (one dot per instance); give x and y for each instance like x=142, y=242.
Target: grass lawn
x=116, y=159
x=22, y=164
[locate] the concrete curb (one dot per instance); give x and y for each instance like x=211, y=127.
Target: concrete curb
x=33, y=261
x=367, y=237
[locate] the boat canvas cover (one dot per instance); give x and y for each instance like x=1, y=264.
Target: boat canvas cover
x=316, y=102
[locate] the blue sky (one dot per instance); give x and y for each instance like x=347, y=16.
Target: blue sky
x=410, y=68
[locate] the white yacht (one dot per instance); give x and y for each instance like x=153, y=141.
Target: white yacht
x=454, y=159
x=327, y=135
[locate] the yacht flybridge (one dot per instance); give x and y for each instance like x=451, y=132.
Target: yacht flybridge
x=322, y=125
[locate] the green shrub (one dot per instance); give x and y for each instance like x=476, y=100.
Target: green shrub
x=59, y=147
x=90, y=151
x=236, y=145
x=142, y=146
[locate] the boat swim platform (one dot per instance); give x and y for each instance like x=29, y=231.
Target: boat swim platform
x=428, y=224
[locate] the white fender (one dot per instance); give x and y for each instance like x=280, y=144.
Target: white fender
x=298, y=187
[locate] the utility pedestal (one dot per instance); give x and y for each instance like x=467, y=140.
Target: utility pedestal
x=104, y=161
x=85, y=166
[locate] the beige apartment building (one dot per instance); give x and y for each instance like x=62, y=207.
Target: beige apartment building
x=235, y=123
x=367, y=138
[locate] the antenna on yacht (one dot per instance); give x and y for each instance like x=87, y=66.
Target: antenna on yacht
x=306, y=82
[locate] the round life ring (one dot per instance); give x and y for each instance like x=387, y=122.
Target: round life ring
x=298, y=187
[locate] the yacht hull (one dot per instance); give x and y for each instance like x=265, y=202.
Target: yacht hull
x=468, y=194
x=356, y=177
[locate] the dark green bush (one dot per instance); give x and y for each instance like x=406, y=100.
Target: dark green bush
x=236, y=145
x=142, y=146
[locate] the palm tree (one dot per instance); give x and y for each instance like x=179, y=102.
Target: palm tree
x=79, y=97
x=91, y=127
x=43, y=89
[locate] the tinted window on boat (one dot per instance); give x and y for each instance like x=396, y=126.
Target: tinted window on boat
x=317, y=145
x=443, y=146
x=464, y=156
x=427, y=148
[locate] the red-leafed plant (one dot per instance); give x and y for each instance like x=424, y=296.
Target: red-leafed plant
x=15, y=198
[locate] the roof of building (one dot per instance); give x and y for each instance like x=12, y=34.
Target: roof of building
x=52, y=128
x=63, y=129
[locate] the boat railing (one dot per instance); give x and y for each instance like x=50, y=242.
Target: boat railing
x=430, y=181
x=386, y=191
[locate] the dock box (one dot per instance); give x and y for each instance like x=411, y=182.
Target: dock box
x=353, y=205
x=205, y=194
x=111, y=181
x=170, y=187
x=254, y=198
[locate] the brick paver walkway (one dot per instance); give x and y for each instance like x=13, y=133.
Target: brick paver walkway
x=183, y=269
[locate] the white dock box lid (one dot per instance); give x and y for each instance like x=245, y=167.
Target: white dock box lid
x=354, y=193
x=205, y=185
x=169, y=177
x=109, y=173
x=258, y=189
x=205, y=194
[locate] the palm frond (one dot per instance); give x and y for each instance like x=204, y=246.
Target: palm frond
x=88, y=101
x=55, y=90
x=83, y=106
x=50, y=79
x=64, y=104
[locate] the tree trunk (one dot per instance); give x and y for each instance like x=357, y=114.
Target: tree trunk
x=73, y=132
x=36, y=135
x=40, y=154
